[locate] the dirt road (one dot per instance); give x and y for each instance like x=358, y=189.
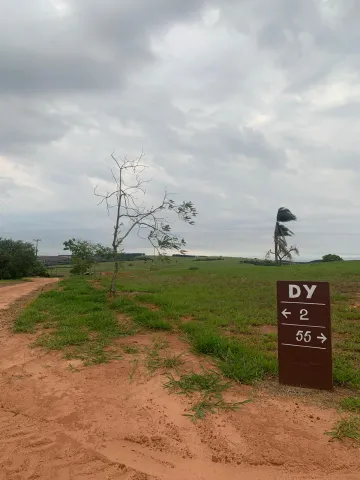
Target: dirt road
x=60, y=420
x=11, y=293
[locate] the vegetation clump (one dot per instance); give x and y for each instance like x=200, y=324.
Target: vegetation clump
x=18, y=260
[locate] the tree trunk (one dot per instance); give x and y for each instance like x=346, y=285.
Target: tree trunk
x=115, y=272
x=276, y=243
x=115, y=243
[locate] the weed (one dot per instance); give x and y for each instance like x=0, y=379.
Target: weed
x=346, y=428
x=72, y=368
x=351, y=404
x=160, y=344
x=173, y=361
x=211, y=385
x=92, y=353
x=135, y=365
x=130, y=349
x=212, y=404
x=156, y=361
x=209, y=382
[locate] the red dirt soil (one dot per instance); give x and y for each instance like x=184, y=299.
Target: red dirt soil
x=112, y=422
x=14, y=291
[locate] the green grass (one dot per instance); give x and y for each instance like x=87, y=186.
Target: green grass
x=346, y=369
x=226, y=302
x=346, y=428
x=141, y=315
x=236, y=360
x=75, y=318
x=351, y=404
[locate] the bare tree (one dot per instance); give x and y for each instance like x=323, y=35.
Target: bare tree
x=149, y=222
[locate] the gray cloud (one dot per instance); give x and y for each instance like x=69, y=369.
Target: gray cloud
x=93, y=47
x=347, y=110
x=28, y=73
x=240, y=106
x=25, y=125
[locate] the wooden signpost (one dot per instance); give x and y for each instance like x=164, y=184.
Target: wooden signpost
x=304, y=334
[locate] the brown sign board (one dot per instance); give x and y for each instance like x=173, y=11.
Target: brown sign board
x=304, y=334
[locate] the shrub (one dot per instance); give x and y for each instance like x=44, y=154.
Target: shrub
x=18, y=259
x=330, y=257
x=40, y=270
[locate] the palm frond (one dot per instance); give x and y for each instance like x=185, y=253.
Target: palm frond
x=285, y=215
x=283, y=231
x=282, y=245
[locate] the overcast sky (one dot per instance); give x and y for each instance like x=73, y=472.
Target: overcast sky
x=242, y=106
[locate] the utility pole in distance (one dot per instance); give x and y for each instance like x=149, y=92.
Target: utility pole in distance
x=36, y=240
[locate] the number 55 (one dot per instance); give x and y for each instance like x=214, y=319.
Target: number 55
x=301, y=336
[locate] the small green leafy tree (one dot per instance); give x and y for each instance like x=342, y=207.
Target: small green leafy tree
x=84, y=254
x=150, y=222
x=281, y=232
x=330, y=257
x=18, y=260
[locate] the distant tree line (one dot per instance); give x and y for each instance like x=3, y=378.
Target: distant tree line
x=208, y=259
x=52, y=260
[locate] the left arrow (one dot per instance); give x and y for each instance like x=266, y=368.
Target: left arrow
x=285, y=313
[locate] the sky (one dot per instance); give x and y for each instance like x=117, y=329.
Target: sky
x=241, y=106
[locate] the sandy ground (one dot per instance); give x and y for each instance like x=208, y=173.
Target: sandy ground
x=64, y=423
x=11, y=293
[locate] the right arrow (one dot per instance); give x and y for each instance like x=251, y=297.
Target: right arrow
x=322, y=338
x=285, y=313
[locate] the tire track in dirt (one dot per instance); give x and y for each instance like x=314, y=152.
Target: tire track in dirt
x=30, y=449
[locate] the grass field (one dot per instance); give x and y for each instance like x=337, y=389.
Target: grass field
x=221, y=307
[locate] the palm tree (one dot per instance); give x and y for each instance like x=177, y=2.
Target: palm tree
x=281, y=231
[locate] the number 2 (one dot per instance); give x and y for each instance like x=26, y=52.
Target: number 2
x=303, y=314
